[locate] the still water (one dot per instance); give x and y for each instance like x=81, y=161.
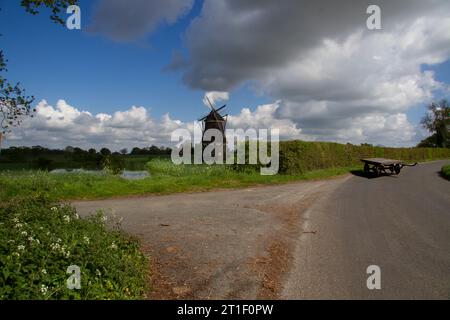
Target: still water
x=126, y=174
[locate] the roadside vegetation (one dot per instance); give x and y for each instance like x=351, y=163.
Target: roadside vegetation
x=299, y=160
x=445, y=172
x=40, y=238
x=71, y=186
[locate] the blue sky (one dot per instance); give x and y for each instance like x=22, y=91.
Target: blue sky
x=95, y=73
x=98, y=74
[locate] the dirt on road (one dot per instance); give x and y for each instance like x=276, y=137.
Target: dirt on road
x=234, y=244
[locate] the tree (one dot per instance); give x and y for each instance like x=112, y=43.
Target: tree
x=15, y=105
x=105, y=152
x=136, y=151
x=124, y=151
x=437, y=121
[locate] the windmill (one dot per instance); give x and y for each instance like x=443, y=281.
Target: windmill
x=214, y=120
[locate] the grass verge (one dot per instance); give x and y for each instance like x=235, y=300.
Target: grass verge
x=88, y=186
x=445, y=172
x=40, y=239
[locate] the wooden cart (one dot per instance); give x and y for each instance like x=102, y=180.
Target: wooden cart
x=378, y=166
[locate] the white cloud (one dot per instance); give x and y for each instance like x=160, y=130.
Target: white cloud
x=332, y=76
x=215, y=97
x=62, y=125
x=264, y=117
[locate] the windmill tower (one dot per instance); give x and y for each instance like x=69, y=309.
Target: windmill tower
x=214, y=120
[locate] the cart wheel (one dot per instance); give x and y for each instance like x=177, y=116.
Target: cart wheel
x=377, y=171
x=397, y=169
x=366, y=169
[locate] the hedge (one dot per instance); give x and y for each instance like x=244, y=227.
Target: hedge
x=297, y=157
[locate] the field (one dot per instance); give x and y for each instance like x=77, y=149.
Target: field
x=88, y=186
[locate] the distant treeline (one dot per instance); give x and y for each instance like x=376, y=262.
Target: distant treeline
x=37, y=151
x=39, y=157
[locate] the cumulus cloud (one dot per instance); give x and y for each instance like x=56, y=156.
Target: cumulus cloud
x=133, y=19
x=334, y=78
x=215, y=97
x=264, y=117
x=62, y=125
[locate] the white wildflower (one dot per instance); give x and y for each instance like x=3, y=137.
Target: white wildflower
x=54, y=209
x=55, y=246
x=16, y=220
x=66, y=218
x=30, y=238
x=86, y=239
x=24, y=233
x=98, y=273
x=16, y=254
x=77, y=216
x=21, y=247
x=44, y=289
x=18, y=225
x=58, y=240
x=113, y=246
x=44, y=271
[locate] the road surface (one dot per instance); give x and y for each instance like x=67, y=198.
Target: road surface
x=307, y=240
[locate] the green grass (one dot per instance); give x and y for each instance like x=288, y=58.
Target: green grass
x=166, y=178
x=445, y=172
x=41, y=238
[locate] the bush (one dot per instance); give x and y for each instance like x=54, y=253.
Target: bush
x=298, y=157
x=40, y=239
x=113, y=164
x=445, y=172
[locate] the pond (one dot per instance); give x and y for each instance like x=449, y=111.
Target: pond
x=126, y=174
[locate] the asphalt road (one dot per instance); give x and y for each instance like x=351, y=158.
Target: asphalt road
x=399, y=223
x=308, y=240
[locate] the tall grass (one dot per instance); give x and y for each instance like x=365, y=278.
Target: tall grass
x=164, y=167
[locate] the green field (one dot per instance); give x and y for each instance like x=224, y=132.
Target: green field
x=92, y=186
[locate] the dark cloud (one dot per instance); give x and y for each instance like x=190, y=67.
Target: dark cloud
x=133, y=19
x=333, y=76
x=233, y=40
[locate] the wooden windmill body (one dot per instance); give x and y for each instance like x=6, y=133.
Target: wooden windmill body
x=214, y=120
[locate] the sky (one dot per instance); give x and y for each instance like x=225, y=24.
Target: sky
x=137, y=69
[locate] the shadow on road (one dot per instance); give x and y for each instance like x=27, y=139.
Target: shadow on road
x=440, y=174
x=371, y=175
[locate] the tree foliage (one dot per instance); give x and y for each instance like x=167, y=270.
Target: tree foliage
x=14, y=103
x=437, y=122
x=56, y=6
